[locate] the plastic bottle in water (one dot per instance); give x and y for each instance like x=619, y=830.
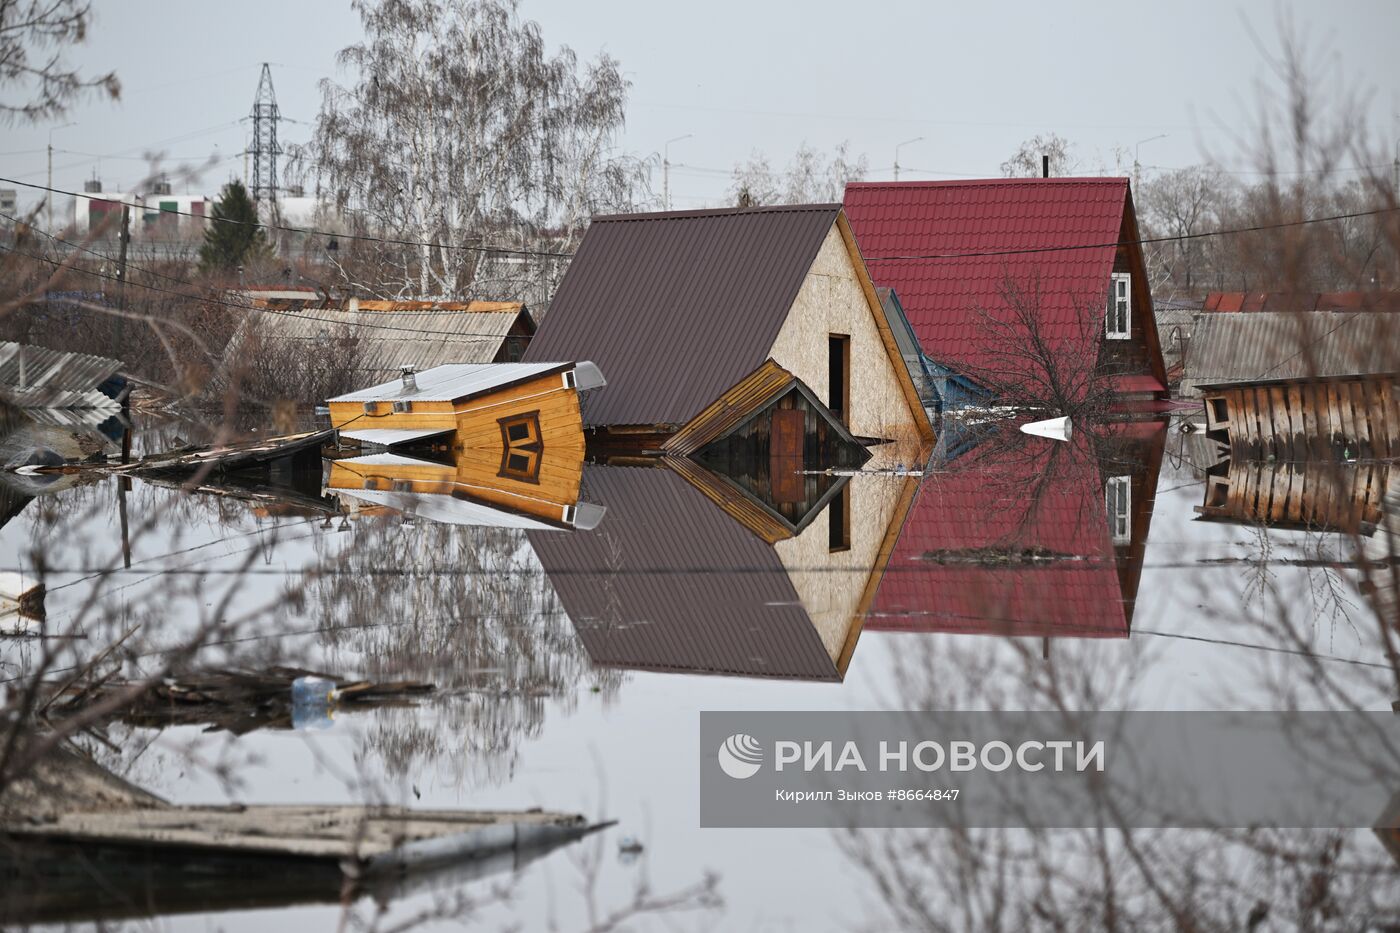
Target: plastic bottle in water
x=313, y=700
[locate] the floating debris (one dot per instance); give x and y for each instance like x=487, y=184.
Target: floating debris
x=237, y=701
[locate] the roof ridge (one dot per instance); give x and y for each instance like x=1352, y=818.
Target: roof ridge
x=832, y=207
x=981, y=182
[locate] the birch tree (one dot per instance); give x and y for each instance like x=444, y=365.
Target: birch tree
x=36, y=81
x=457, y=130
x=811, y=177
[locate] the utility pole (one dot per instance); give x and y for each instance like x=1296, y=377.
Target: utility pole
x=666, y=170
x=1137, y=166
x=121, y=263
x=48, y=206
x=916, y=139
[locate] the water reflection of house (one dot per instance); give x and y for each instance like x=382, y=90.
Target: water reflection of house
x=1311, y=454
x=456, y=492
x=511, y=434
x=693, y=572
x=953, y=249
x=685, y=310
x=1027, y=537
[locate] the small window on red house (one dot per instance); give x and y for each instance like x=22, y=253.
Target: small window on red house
x=1118, y=321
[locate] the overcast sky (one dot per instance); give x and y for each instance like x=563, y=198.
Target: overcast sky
x=973, y=79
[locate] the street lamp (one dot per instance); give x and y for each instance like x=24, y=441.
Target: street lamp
x=1137, y=166
x=916, y=139
x=48, y=208
x=666, y=169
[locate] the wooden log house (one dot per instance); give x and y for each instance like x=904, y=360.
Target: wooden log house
x=509, y=437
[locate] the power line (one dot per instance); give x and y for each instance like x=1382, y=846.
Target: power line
x=392, y=241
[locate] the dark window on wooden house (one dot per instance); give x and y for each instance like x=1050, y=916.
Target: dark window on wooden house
x=839, y=521
x=838, y=377
x=521, y=447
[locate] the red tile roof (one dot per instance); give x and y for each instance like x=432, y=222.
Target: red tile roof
x=1007, y=543
x=959, y=223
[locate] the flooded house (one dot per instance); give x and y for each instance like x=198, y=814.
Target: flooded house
x=700, y=573
x=1311, y=454
x=992, y=272
x=376, y=338
x=697, y=316
x=504, y=437
x=1018, y=536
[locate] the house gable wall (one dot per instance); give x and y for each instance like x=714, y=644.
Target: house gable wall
x=833, y=300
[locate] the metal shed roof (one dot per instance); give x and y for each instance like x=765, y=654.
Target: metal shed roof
x=389, y=337
x=1274, y=345
x=453, y=381
x=37, y=377
x=677, y=307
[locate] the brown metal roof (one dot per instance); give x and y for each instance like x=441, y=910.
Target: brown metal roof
x=677, y=307
x=670, y=582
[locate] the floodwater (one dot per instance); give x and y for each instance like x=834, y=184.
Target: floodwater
x=572, y=665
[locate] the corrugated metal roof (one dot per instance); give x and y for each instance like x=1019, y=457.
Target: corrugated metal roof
x=946, y=297
x=677, y=307
x=1272, y=345
x=54, y=378
x=386, y=339
x=453, y=381
x=670, y=582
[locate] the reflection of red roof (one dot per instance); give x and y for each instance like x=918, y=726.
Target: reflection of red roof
x=948, y=220
x=1007, y=543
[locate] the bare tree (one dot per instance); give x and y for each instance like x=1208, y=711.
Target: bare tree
x=34, y=37
x=459, y=131
x=1032, y=355
x=811, y=177
x=1184, y=203
x=1025, y=162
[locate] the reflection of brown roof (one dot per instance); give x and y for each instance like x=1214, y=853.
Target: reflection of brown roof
x=669, y=582
x=678, y=307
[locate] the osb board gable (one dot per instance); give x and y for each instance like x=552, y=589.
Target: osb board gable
x=836, y=297
x=836, y=588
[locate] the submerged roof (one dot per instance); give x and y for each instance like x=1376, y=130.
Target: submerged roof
x=453, y=381
x=969, y=238
x=671, y=583
x=678, y=307
x=742, y=401
x=37, y=377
